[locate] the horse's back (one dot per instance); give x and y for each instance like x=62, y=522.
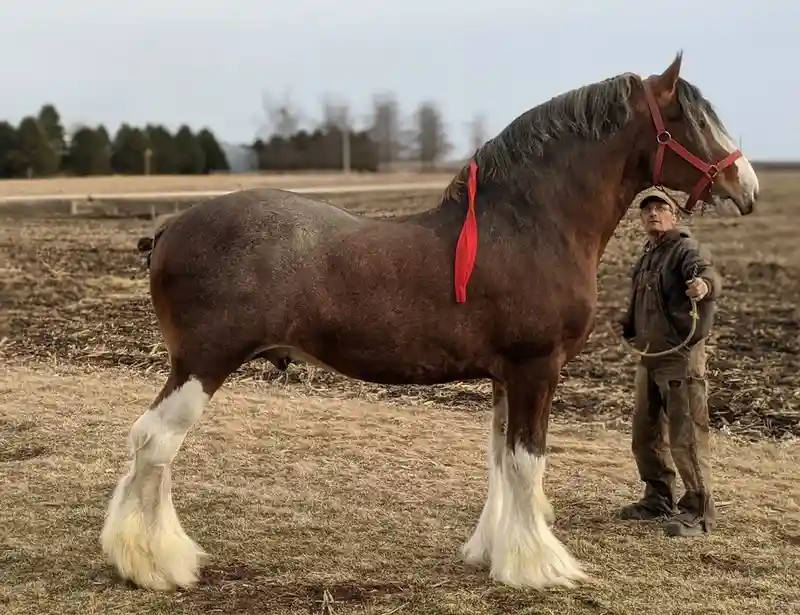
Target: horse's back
x=232, y=247
x=234, y=224
x=265, y=206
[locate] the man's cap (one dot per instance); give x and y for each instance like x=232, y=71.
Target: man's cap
x=655, y=193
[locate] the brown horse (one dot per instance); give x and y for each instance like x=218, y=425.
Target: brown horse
x=268, y=273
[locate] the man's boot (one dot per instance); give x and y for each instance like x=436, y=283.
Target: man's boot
x=696, y=516
x=656, y=505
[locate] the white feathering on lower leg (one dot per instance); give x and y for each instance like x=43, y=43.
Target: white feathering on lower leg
x=526, y=552
x=142, y=535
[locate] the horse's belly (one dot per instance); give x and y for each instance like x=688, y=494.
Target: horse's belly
x=295, y=355
x=383, y=366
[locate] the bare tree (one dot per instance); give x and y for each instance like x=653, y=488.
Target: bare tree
x=477, y=132
x=282, y=118
x=336, y=114
x=386, y=127
x=431, y=138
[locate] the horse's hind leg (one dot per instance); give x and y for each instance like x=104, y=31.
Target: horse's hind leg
x=525, y=550
x=477, y=550
x=142, y=536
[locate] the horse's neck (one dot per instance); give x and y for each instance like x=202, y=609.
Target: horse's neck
x=584, y=192
x=588, y=192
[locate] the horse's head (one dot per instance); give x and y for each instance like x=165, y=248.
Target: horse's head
x=686, y=146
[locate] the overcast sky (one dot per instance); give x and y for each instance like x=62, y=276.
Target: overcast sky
x=208, y=62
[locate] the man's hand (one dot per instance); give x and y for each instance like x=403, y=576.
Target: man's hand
x=617, y=327
x=697, y=288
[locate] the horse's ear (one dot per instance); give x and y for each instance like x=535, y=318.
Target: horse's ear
x=666, y=82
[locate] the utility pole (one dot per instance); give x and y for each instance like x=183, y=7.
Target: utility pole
x=346, y=147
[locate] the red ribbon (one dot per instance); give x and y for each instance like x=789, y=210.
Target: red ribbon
x=467, y=246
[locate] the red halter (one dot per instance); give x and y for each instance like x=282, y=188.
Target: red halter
x=664, y=139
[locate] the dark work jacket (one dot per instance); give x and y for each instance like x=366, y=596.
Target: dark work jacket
x=659, y=310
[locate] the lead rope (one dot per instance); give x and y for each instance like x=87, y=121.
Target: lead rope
x=643, y=353
x=695, y=318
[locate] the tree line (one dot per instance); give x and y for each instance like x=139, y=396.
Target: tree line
x=40, y=146
x=386, y=138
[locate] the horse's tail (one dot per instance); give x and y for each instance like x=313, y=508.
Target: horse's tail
x=146, y=244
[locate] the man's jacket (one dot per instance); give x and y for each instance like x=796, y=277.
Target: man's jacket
x=659, y=310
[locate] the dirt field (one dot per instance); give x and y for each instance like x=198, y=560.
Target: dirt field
x=276, y=482
x=179, y=183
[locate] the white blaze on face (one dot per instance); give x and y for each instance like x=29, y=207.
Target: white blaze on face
x=747, y=175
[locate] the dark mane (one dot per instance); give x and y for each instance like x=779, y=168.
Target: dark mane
x=594, y=112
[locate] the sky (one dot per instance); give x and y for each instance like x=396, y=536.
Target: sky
x=211, y=62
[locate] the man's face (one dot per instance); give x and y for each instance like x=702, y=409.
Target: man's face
x=657, y=217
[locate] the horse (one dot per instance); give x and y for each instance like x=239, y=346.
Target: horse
x=267, y=273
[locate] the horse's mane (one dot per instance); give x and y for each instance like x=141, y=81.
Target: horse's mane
x=594, y=112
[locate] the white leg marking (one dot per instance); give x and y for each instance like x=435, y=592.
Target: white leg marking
x=142, y=536
x=526, y=553
x=747, y=175
x=478, y=549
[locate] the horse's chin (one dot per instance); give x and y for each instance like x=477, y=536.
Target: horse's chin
x=725, y=206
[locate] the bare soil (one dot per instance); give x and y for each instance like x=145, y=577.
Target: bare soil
x=74, y=289
x=316, y=494
x=180, y=183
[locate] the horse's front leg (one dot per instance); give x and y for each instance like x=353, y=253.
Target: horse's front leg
x=478, y=549
x=525, y=551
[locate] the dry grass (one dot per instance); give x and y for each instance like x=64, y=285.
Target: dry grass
x=178, y=183
x=300, y=498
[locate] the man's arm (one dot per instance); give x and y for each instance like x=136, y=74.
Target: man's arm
x=695, y=261
x=627, y=320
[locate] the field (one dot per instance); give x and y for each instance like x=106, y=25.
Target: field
x=201, y=183
x=314, y=494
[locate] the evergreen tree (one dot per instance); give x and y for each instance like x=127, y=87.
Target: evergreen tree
x=192, y=158
x=90, y=152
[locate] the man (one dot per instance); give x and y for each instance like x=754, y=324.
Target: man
x=671, y=411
